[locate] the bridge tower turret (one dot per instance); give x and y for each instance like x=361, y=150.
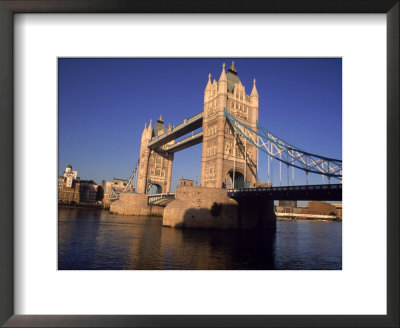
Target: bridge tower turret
x=155, y=167
x=228, y=159
x=144, y=159
x=207, y=91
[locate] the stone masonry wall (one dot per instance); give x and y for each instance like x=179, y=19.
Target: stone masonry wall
x=211, y=208
x=134, y=204
x=200, y=207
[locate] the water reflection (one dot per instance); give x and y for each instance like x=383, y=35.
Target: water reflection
x=98, y=240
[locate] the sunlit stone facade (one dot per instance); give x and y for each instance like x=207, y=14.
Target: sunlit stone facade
x=155, y=167
x=225, y=153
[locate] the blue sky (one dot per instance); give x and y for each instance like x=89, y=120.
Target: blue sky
x=104, y=104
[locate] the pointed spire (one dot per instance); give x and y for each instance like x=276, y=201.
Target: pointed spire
x=160, y=119
x=223, y=74
x=254, y=92
x=232, y=67
x=208, y=86
x=150, y=127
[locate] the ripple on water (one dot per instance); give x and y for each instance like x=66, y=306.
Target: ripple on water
x=98, y=240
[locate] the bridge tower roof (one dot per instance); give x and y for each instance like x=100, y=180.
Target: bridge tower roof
x=159, y=126
x=232, y=77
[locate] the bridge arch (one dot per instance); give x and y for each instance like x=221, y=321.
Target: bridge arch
x=154, y=188
x=236, y=175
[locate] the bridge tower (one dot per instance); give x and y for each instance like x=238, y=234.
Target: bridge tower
x=155, y=166
x=228, y=159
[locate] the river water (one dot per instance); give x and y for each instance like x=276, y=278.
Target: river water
x=98, y=240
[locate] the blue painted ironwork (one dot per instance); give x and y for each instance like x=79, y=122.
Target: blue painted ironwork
x=285, y=152
x=132, y=177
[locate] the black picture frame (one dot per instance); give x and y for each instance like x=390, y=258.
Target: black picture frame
x=10, y=7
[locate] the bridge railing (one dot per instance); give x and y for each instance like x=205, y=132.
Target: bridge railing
x=290, y=188
x=151, y=199
x=308, y=192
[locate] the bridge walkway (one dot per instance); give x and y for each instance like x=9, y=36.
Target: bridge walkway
x=160, y=199
x=332, y=192
x=188, y=125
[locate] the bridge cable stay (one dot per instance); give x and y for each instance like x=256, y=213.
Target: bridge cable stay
x=306, y=171
x=287, y=169
x=292, y=173
x=295, y=157
x=131, y=178
x=114, y=194
x=245, y=160
x=272, y=170
x=280, y=168
x=274, y=138
x=257, y=162
x=234, y=160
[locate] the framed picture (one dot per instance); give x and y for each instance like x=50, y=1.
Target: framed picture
x=34, y=293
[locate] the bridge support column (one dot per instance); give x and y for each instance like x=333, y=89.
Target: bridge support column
x=211, y=208
x=220, y=152
x=256, y=214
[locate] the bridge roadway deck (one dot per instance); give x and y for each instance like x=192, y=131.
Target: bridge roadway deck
x=185, y=127
x=332, y=192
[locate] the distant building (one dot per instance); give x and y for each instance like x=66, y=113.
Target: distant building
x=72, y=190
x=111, y=190
x=68, y=191
x=88, y=191
x=263, y=185
x=68, y=187
x=338, y=209
x=186, y=182
x=288, y=203
x=120, y=184
x=287, y=206
x=109, y=195
x=69, y=176
x=321, y=208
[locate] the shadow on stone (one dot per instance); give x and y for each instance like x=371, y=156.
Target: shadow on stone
x=211, y=208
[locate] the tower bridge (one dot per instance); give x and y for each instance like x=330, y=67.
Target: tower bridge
x=231, y=138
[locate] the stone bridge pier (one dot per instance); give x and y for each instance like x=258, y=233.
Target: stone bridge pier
x=256, y=214
x=211, y=208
